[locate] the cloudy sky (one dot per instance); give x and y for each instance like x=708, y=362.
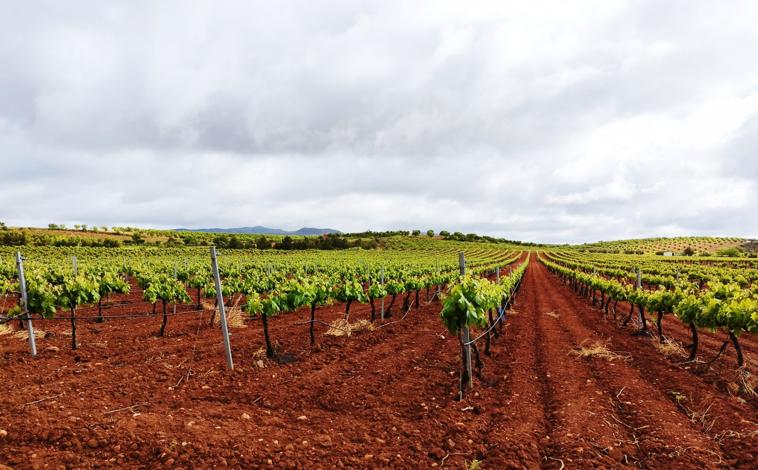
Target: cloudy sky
x=546, y=121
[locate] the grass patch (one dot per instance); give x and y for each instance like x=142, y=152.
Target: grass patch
x=474, y=465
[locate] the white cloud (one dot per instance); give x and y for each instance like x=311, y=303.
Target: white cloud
x=545, y=121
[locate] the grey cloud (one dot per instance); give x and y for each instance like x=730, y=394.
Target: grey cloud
x=550, y=121
x=741, y=154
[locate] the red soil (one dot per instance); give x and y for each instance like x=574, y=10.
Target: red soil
x=379, y=399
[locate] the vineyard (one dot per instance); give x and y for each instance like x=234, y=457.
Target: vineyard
x=703, y=246
x=422, y=353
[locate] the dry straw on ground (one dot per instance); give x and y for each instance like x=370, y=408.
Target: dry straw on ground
x=6, y=329
x=259, y=358
x=259, y=354
x=745, y=382
x=342, y=327
x=670, y=348
x=599, y=349
x=235, y=318
x=698, y=414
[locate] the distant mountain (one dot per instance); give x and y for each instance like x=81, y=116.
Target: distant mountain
x=260, y=230
x=314, y=231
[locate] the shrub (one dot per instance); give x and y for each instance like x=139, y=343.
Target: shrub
x=729, y=252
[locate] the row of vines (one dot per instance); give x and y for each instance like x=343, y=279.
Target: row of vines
x=721, y=297
x=63, y=283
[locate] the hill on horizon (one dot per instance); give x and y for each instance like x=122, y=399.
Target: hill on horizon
x=676, y=245
x=261, y=230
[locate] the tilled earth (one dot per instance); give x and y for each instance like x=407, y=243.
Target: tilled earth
x=377, y=399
